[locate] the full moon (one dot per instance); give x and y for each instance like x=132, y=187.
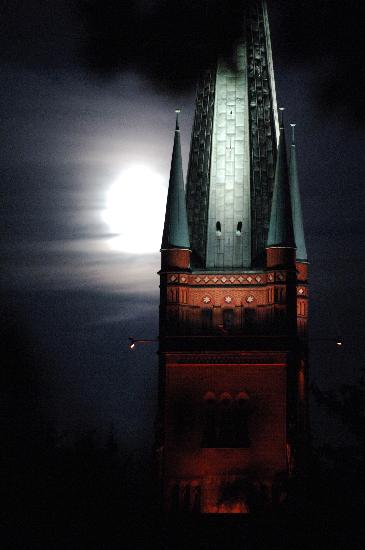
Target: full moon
x=135, y=211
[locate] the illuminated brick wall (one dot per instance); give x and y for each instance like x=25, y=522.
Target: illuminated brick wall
x=224, y=474
x=245, y=317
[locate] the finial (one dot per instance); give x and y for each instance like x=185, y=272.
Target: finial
x=177, y=111
x=293, y=133
x=281, y=109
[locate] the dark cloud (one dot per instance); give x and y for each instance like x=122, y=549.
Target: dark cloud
x=172, y=41
x=169, y=41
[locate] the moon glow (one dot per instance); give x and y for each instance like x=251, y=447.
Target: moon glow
x=135, y=211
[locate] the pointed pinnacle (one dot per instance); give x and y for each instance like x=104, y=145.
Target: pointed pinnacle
x=177, y=111
x=281, y=109
x=293, y=133
x=176, y=232
x=281, y=231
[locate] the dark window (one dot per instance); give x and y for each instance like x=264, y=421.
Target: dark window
x=174, y=499
x=249, y=318
x=206, y=318
x=218, y=228
x=242, y=439
x=239, y=229
x=186, y=498
x=210, y=422
x=279, y=295
x=196, y=497
x=228, y=319
x=226, y=422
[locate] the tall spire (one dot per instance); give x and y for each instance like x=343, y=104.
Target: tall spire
x=295, y=201
x=175, y=233
x=281, y=232
x=233, y=151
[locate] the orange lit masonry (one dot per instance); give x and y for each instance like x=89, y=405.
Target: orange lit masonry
x=231, y=355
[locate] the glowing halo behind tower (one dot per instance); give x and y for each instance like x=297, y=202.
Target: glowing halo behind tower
x=134, y=210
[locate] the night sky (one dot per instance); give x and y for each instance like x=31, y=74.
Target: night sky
x=89, y=89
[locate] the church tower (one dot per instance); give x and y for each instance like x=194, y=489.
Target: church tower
x=232, y=414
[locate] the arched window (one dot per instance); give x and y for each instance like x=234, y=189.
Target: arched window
x=242, y=439
x=218, y=229
x=210, y=421
x=226, y=421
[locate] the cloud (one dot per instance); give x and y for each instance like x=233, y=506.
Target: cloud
x=178, y=39
x=78, y=264
x=170, y=42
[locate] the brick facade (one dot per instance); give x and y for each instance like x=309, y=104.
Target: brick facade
x=231, y=362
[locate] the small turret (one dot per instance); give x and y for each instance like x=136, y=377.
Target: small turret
x=296, y=203
x=280, y=242
x=175, y=247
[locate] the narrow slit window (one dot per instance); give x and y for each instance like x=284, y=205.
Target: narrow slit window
x=210, y=421
x=218, y=229
x=241, y=421
x=174, y=499
x=226, y=422
x=250, y=318
x=206, y=318
x=228, y=319
x=186, y=498
x=239, y=229
x=196, y=499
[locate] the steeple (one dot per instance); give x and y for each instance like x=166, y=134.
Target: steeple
x=175, y=233
x=295, y=201
x=233, y=302
x=281, y=232
x=233, y=152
